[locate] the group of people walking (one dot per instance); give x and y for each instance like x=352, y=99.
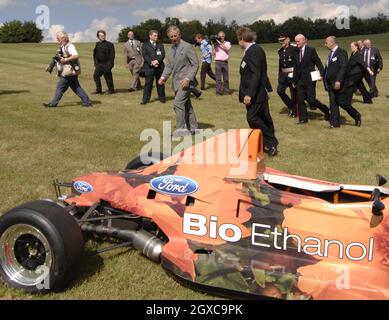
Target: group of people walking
x=300, y=69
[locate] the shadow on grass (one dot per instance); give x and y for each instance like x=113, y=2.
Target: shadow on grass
x=203, y=125
x=4, y=92
x=90, y=263
x=78, y=104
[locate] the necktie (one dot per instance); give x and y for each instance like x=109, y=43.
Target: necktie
x=175, y=50
x=154, y=45
x=330, y=58
x=132, y=43
x=301, y=55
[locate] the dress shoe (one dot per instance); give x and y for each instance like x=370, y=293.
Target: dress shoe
x=110, y=92
x=131, y=90
x=98, y=92
x=273, y=151
x=368, y=102
x=144, y=102
x=49, y=105
x=198, y=95
x=358, y=121
x=292, y=114
x=303, y=122
x=333, y=127
x=87, y=105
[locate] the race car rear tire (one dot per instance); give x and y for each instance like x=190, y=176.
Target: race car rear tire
x=39, y=244
x=137, y=163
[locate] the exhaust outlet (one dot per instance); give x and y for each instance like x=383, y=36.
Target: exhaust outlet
x=143, y=241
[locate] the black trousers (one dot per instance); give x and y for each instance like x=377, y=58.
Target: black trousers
x=291, y=101
x=103, y=70
x=206, y=69
x=258, y=117
x=371, y=80
x=343, y=99
x=365, y=94
x=308, y=93
x=149, y=79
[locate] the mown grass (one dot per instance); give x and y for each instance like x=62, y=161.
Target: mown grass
x=38, y=145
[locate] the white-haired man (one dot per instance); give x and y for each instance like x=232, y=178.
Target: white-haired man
x=68, y=73
x=183, y=65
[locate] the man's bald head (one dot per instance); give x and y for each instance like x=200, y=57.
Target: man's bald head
x=367, y=43
x=300, y=40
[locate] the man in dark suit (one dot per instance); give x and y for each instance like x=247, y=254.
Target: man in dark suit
x=335, y=72
x=288, y=59
x=153, y=55
x=373, y=60
x=302, y=78
x=254, y=86
x=104, y=59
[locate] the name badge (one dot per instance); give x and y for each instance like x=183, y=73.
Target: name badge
x=159, y=53
x=243, y=65
x=334, y=59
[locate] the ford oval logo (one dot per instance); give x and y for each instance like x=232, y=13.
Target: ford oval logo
x=174, y=185
x=82, y=187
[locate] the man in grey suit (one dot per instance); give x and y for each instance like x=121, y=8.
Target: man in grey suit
x=133, y=60
x=183, y=65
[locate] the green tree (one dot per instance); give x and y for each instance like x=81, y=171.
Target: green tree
x=16, y=32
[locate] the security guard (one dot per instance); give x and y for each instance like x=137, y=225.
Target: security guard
x=288, y=59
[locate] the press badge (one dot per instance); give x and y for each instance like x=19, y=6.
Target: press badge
x=243, y=65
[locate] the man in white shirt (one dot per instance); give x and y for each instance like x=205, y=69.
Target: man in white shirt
x=66, y=79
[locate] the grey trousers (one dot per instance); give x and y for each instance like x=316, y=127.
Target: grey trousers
x=135, y=70
x=222, y=71
x=185, y=115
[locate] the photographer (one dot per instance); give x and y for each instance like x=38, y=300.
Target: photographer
x=206, y=58
x=221, y=52
x=104, y=59
x=68, y=70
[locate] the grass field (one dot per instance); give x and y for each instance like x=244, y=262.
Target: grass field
x=38, y=145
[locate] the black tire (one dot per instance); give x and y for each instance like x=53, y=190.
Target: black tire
x=137, y=163
x=58, y=231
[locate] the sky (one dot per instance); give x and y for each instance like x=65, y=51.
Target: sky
x=82, y=18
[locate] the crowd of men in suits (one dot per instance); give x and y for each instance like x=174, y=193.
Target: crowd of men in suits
x=300, y=69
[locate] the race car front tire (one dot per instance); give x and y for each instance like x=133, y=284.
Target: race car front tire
x=39, y=244
x=139, y=162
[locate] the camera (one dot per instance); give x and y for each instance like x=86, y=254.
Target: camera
x=55, y=59
x=214, y=38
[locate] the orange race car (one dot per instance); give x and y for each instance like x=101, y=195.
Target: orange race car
x=233, y=228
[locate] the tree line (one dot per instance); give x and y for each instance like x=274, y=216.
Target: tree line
x=267, y=30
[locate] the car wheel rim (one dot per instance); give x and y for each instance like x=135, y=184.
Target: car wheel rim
x=25, y=255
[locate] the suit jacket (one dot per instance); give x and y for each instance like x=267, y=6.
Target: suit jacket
x=336, y=68
x=254, y=81
x=356, y=69
x=304, y=68
x=130, y=52
x=181, y=65
x=150, y=54
x=376, y=61
x=104, y=53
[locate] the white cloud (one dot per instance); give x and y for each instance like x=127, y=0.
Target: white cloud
x=248, y=11
x=109, y=24
x=51, y=34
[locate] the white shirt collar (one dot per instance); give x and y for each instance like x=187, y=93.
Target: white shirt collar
x=248, y=47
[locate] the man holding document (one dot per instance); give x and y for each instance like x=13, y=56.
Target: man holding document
x=305, y=78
